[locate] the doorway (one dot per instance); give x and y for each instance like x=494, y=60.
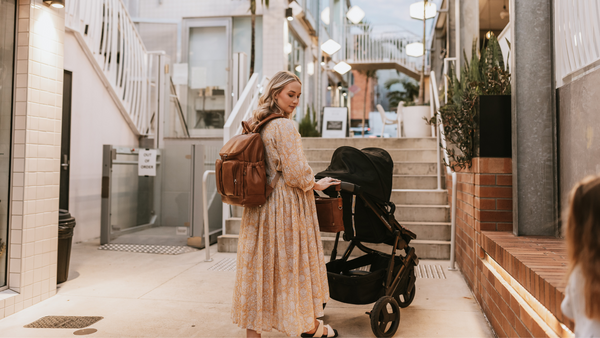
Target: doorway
x=65, y=147
x=208, y=93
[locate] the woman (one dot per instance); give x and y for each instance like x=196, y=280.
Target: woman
x=281, y=280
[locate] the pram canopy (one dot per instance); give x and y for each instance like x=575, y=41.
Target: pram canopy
x=370, y=168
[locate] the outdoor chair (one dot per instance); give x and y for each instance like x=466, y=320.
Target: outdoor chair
x=387, y=121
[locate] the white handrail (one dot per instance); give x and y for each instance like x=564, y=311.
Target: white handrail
x=205, y=214
x=242, y=110
x=435, y=102
x=106, y=28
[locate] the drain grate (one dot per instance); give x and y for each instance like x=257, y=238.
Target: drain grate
x=153, y=249
x=226, y=264
x=63, y=322
x=430, y=271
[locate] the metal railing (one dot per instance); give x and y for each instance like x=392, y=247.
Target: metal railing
x=363, y=46
x=107, y=30
x=205, y=213
x=577, y=36
x=441, y=140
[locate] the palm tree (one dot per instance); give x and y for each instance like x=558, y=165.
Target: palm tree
x=411, y=90
x=253, y=11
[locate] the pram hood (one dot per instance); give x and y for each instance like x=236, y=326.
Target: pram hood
x=370, y=168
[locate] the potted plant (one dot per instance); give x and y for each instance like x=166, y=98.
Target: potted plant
x=412, y=115
x=477, y=118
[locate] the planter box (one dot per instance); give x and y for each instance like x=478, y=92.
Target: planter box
x=493, y=132
x=414, y=124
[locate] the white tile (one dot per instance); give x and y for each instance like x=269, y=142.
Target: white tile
x=14, y=280
x=28, y=278
x=29, y=263
x=15, y=265
x=15, y=251
x=37, y=277
x=16, y=222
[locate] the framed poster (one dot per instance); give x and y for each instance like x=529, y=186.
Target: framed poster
x=335, y=122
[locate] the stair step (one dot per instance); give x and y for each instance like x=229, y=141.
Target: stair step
x=423, y=250
x=398, y=155
x=232, y=225
x=425, y=231
x=415, y=182
x=400, y=168
x=419, y=196
x=422, y=213
x=387, y=143
x=433, y=250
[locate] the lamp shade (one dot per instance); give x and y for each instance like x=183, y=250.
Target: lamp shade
x=342, y=68
x=416, y=10
x=289, y=13
x=355, y=14
x=330, y=47
x=414, y=49
x=55, y=3
x=287, y=48
x=325, y=16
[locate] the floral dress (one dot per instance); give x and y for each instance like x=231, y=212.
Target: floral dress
x=281, y=280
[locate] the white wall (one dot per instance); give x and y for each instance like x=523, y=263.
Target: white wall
x=95, y=121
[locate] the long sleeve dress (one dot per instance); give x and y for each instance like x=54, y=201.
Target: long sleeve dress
x=573, y=306
x=281, y=280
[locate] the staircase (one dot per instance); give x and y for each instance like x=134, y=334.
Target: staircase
x=420, y=207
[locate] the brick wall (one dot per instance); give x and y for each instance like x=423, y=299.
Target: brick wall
x=484, y=202
x=358, y=100
x=517, y=281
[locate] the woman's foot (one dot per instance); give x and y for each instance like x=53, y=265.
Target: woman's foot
x=321, y=330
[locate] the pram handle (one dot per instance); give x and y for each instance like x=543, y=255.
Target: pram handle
x=350, y=187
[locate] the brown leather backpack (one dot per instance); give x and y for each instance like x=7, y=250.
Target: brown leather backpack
x=240, y=172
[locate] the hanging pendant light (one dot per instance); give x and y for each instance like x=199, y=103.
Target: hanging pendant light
x=504, y=14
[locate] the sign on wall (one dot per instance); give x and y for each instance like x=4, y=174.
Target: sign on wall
x=147, y=162
x=335, y=122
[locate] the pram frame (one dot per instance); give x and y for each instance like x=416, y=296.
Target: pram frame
x=395, y=228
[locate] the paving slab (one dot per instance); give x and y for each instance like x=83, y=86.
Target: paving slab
x=150, y=295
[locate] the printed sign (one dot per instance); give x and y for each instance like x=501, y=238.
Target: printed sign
x=335, y=122
x=147, y=162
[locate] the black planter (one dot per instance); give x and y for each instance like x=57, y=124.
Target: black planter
x=493, y=133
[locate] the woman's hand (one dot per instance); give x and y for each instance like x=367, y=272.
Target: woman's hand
x=325, y=183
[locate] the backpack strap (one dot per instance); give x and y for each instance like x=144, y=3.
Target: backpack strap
x=271, y=187
x=266, y=120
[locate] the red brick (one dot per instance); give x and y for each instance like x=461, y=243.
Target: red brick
x=494, y=165
x=504, y=226
x=485, y=203
x=485, y=179
x=522, y=330
x=496, y=216
x=504, y=204
x=494, y=192
x=485, y=226
x=504, y=180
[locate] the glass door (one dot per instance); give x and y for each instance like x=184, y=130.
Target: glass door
x=206, y=50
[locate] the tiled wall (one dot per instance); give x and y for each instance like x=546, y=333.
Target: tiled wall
x=36, y=154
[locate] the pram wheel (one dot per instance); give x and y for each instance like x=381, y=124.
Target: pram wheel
x=405, y=299
x=385, y=317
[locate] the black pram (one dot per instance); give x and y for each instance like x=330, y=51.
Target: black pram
x=366, y=177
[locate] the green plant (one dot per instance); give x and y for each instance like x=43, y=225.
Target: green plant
x=484, y=75
x=411, y=90
x=308, y=124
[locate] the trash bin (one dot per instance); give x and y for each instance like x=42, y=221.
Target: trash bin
x=66, y=223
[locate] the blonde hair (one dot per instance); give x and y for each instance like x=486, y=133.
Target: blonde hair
x=583, y=239
x=266, y=103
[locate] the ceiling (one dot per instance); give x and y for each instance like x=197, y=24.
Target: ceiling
x=489, y=14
